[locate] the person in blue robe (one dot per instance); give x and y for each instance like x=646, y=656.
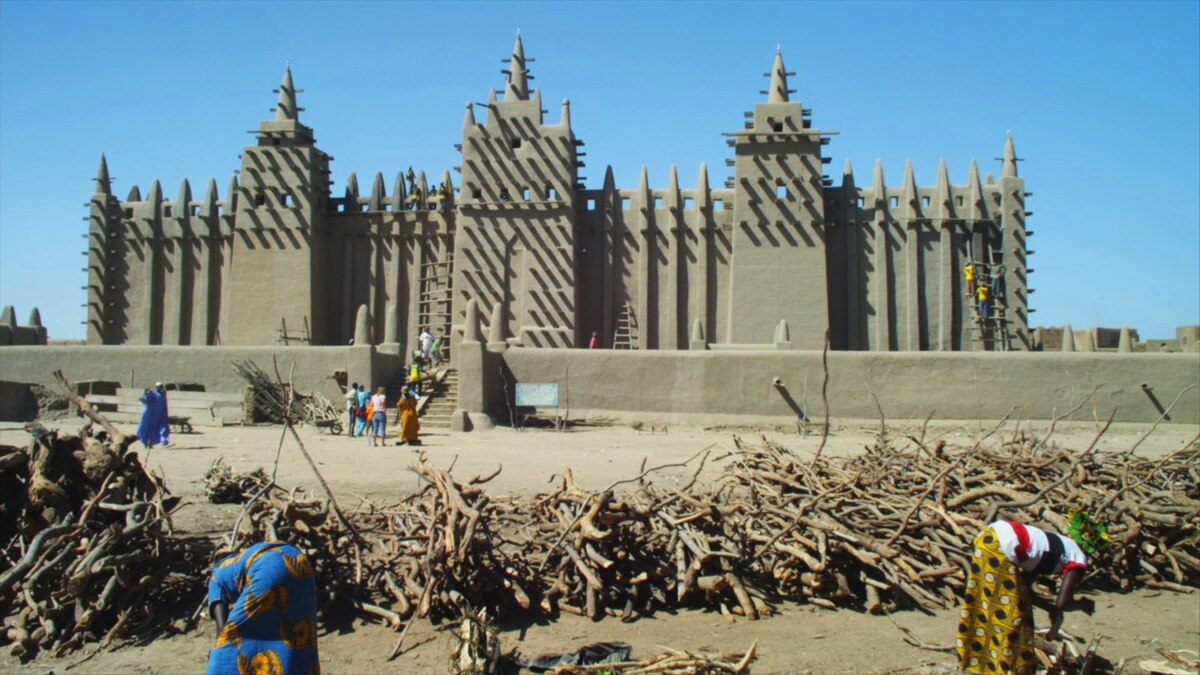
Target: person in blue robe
x=264, y=602
x=154, y=428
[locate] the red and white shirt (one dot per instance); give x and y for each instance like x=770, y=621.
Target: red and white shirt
x=1026, y=546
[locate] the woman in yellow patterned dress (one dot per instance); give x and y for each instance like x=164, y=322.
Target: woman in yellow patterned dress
x=995, y=629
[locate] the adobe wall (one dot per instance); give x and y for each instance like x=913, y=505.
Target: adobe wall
x=701, y=386
x=210, y=366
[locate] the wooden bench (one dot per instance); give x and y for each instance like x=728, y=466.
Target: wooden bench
x=186, y=408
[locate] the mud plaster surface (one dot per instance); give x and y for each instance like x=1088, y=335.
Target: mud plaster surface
x=799, y=639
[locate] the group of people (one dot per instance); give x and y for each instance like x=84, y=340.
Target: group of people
x=984, y=288
x=438, y=197
x=432, y=345
x=367, y=415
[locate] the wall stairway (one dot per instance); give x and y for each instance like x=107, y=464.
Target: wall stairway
x=443, y=401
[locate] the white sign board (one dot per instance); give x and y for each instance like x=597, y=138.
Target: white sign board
x=537, y=395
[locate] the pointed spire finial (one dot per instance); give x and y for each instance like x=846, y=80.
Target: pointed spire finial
x=469, y=117
x=778, y=93
x=910, y=188
x=943, y=188
x=1009, y=169
x=208, y=208
x=566, y=113
x=517, y=88
x=879, y=189
x=103, y=182
x=286, y=109
x=378, y=193
x=183, y=198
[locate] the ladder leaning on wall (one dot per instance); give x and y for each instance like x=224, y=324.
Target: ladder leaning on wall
x=990, y=332
x=435, y=295
x=625, y=336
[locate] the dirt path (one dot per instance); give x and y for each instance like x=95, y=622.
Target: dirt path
x=800, y=639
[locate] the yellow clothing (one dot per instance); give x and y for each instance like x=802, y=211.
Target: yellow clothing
x=409, y=424
x=982, y=293
x=995, y=628
x=969, y=272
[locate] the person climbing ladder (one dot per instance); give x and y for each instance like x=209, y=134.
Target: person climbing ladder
x=982, y=294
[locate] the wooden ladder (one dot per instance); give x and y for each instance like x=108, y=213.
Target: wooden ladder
x=433, y=305
x=626, y=337
x=991, y=332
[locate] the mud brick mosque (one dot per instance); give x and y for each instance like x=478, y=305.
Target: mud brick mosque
x=778, y=255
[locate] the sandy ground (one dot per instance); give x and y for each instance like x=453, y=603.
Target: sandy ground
x=799, y=639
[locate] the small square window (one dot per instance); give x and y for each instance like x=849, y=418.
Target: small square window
x=894, y=201
x=781, y=192
x=260, y=199
x=166, y=212
x=526, y=194
x=288, y=200
x=924, y=201
x=551, y=193
x=195, y=210
x=960, y=201
x=625, y=203
x=591, y=205
x=504, y=196
x=476, y=194
x=516, y=143
x=658, y=202
x=718, y=204
x=128, y=213
x=861, y=202
x=687, y=203
x=778, y=127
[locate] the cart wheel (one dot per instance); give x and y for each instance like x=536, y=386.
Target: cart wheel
x=337, y=428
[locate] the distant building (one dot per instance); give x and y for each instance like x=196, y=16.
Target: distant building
x=779, y=254
x=32, y=333
x=1188, y=338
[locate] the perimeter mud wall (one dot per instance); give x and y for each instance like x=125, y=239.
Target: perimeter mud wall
x=766, y=385
x=783, y=386
x=311, y=368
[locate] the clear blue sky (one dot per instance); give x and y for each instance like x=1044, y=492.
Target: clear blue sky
x=1102, y=99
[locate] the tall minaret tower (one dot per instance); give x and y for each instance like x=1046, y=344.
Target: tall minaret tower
x=104, y=242
x=515, y=243
x=1014, y=250
x=778, y=228
x=275, y=271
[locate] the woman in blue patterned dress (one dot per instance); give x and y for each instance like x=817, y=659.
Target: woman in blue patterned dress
x=264, y=602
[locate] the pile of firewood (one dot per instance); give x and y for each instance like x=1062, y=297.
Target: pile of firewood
x=84, y=528
x=887, y=529
x=428, y=555
x=223, y=485
x=274, y=401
